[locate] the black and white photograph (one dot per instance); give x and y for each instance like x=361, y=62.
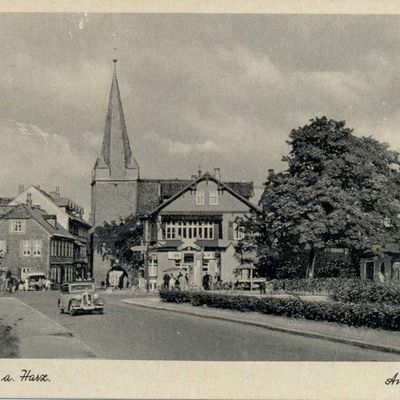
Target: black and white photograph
x=217, y=187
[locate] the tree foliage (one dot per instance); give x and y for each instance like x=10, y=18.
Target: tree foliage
x=114, y=241
x=339, y=190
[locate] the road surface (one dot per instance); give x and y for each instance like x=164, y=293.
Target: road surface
x=128, y=332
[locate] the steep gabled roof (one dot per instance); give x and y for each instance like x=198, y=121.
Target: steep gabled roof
x=23, y=211
x=193, y=183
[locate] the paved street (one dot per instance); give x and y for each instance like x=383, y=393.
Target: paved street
x=129, y=332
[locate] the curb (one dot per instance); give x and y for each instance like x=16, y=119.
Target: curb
x=329, y=338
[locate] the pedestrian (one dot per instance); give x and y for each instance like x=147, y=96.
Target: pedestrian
x=166, y=279
x=47, y=285
x=125, y=281
x=178, y=282
x=171, y=283
x=182, y=282
x=263, y=288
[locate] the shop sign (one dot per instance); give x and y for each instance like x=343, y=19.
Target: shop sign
x=209, y=255
x=174, y=255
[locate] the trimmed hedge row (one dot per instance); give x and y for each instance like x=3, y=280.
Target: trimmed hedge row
x=315, y=285
x=370, y=315
x=344, y=290
x=357, y=291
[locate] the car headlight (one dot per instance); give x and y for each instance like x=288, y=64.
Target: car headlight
x=95, y=296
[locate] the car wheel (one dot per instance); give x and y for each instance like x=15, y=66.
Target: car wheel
x=71, y=310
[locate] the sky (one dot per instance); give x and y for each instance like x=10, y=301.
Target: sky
x=210, y=90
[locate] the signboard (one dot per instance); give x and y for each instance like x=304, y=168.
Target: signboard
x=174, y=255
x=209, y=255
x=138, y=248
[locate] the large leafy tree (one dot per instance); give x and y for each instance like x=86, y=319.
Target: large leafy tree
x=339, y=191
x=114, y=241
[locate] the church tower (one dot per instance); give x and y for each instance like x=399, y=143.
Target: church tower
x=115, y=175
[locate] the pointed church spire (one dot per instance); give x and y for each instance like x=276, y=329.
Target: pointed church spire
x=116, y=152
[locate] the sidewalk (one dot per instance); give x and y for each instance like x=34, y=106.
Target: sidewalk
x=373, y=339
x=39, y=336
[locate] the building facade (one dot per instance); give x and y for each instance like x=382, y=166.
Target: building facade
x=190, y=222
x=69, y=217
x=33, y=241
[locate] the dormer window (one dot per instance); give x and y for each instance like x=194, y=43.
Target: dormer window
x=214, y=201
x=200, y=198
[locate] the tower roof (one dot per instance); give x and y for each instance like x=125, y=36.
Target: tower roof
x=116, y=152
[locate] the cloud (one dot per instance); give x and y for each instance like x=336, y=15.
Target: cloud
x=32, y=156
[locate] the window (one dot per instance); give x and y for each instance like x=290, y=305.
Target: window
x=37, y=248
x=369, y=265
x=188, y=258
x=17, y=225
x=153, y=267
x=200, y=199
x=238, y=232
x=3, y=248
x=26, y=248
x=214, y=197
x=189, y=230
x=177, y=263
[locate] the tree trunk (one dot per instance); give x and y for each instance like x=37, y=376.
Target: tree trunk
x=311, y=266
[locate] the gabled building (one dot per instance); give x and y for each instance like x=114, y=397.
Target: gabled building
x=192, y=220
x=33, y=241
x=194, y=231
x=69, y=216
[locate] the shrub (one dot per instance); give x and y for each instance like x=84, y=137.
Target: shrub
x=370, y=315
x=357, y=291
x=316, y=285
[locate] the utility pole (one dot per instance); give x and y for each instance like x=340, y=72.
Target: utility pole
x=146, y=254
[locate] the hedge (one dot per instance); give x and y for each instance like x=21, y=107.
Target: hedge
x=357, y=291
x=316, y=285
x=370, y=315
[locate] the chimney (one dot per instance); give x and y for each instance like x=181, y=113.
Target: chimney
x=21, y=189
x=57, y=193
x=271, y=173
x=29, y=199
x=217, y=173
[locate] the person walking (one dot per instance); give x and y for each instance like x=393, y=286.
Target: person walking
x=171, y=283
x=182, y=282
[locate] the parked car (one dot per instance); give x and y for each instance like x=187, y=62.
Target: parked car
x=36, y=280
x=79, y=296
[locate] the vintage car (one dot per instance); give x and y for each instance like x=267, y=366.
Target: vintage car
x=79, y=296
